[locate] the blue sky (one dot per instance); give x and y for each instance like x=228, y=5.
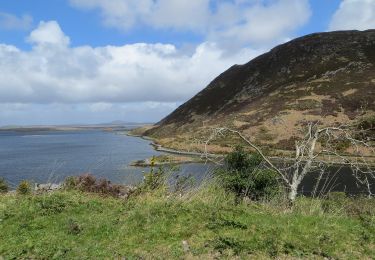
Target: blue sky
x=89, y=61
x=84, y=27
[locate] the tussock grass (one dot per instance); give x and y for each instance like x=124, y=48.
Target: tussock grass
x=153, y=224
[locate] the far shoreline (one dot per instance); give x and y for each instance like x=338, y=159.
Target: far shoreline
x=160, y=148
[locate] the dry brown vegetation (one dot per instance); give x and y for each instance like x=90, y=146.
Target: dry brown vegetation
x=326, y=78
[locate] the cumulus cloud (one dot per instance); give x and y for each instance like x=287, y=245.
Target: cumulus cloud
x=141, y=81
x=238, y=22
x=354, y=14
x=54, y=72
x=260, y=24
x=48, y=33
x=12, y=22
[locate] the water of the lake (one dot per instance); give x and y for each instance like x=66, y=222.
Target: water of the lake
x=51, y=156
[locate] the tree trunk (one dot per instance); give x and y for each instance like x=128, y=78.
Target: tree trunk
x=292, y=193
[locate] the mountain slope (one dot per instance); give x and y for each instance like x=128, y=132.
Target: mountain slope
x=326, y=77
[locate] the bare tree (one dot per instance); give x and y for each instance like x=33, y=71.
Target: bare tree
x=314, y=150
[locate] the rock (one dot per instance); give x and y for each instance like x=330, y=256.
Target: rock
x=185, y=246
x=126, y=191
x=47, y=187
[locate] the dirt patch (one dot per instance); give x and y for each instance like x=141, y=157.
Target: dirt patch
x=349, y=92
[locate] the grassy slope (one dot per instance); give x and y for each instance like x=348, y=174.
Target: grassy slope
x=78, y=225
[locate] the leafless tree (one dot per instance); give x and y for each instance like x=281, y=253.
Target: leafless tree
x=317, y=148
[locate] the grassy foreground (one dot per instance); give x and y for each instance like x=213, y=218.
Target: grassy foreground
x=71, y=224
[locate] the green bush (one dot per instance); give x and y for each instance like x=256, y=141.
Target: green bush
x=243, y=174
x=154, y=179
x=3, y=186
x=24, y=188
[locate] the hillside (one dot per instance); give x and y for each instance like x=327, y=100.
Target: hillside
x=325, y=77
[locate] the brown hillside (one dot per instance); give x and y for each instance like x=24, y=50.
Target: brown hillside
x=325, y=77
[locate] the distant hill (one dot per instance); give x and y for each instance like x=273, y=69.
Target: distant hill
x=325, y=77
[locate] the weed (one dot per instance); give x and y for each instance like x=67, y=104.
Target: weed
x=223, y=243
x=24, y=188
x=217, y=222
x=51, y=204
x=73, y=227
x=3, y=186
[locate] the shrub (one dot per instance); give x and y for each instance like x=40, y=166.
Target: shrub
x=50, y=204
x=244, y=175
x=3, y=186
x=24, y=188
x=154, y=179
x=306, y=104
x=88, y=183
x=340, y=143
x=367, y=128
x=70, y=183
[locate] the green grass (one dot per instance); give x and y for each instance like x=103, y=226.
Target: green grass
x=71, y=224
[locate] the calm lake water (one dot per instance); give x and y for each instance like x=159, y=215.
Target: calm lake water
x=51, y=156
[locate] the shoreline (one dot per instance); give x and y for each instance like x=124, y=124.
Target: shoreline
x=192, y=157
x=160, y=148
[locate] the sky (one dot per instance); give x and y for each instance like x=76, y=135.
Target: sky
x=96, y=61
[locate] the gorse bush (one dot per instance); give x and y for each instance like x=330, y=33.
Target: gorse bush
x=244, y=175
x=3, y=186
x=24, y=188
x=154, y=179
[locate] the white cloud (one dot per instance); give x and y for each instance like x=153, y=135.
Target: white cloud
x=59, y=83
x=48, y=33
x=12, y=22
x=354, y=14
x=261, y=24
x=237, y=23
x=54, y=72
